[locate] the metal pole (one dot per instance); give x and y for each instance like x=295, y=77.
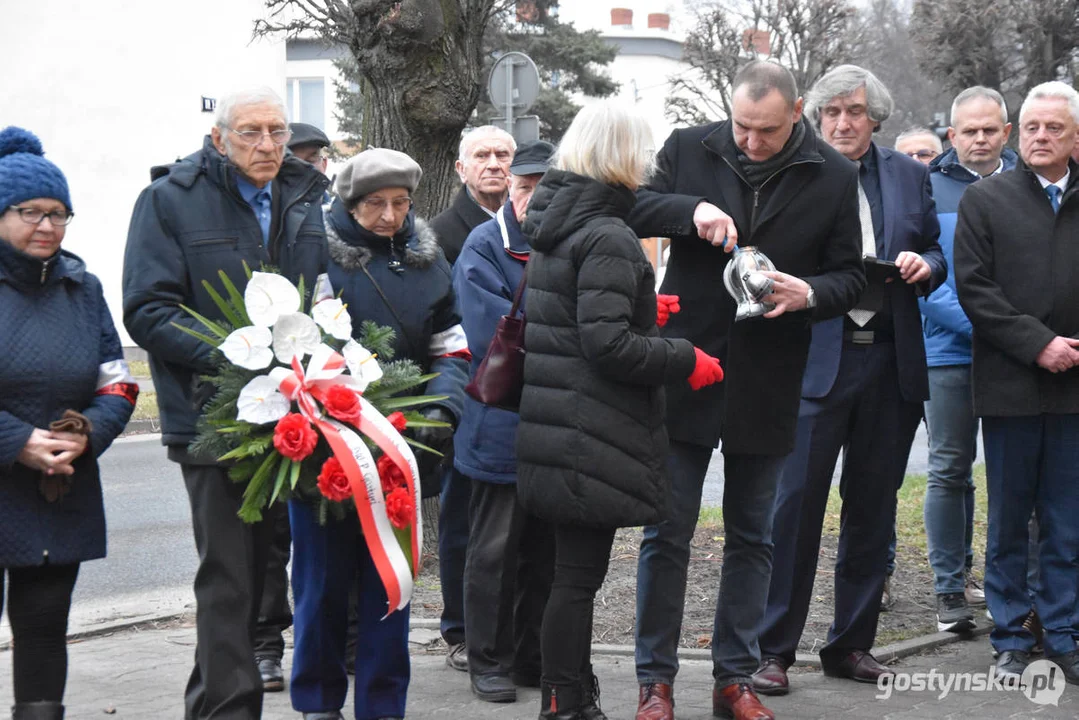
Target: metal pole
x=509, y=97
x=659, y=253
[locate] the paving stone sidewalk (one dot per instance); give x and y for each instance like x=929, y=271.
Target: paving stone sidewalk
x=141, y=674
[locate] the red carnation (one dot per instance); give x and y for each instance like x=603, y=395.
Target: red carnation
x=390, y=475
x=343, y=403
x=294, y=437
x=397, y=419
x=400, y=508
x=332, y=481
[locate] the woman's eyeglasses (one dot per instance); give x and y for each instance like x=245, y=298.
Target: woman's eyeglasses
x=33, y=216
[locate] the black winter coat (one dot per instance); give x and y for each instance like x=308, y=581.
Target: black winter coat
x=805, y=218
x=1017, y=274
x=453, y=224
x=591, y=444
x=60, y=352
x=187, y=225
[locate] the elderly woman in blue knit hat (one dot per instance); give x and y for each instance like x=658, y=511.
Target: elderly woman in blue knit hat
x=388, y=266
x=65, y=394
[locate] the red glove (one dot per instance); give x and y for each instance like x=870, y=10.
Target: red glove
x=706, y=371
x=665, y=305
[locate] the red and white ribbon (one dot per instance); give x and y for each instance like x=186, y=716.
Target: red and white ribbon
x=325, y=370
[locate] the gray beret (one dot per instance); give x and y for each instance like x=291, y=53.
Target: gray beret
x=375, y=169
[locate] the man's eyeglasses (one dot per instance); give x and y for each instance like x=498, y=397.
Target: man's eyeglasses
x=254, y=137
x=378, y=205
x=923, y=154
x=33, y=216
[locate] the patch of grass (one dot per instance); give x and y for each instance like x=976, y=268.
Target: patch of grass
x=145, y=406
x=711, y=517
x=139, y=368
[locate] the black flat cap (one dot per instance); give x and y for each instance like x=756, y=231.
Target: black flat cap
x=304, y=134
x=532, y=158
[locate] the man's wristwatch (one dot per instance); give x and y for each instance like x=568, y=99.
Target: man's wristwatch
x=811, y=298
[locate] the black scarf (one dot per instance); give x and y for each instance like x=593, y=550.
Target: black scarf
x=757, y=172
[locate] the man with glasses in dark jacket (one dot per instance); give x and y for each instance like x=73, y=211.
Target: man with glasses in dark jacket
x=239, y=200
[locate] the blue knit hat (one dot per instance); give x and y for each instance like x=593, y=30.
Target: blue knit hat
x=25, y=174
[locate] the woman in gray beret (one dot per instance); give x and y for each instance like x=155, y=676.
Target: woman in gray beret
x=389, y=268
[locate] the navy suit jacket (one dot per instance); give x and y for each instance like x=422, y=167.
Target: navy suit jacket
x=910, y=223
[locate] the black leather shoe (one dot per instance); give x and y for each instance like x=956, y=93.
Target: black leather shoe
x=1069, y=663
x=270, y=671
x=335, y=715
x=457, y=657
x=1011, y=664
x=494, y=688
x=857, y=665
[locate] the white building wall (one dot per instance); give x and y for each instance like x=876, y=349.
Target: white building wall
x=114, y=87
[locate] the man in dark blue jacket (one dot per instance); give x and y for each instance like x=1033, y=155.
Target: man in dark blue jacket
x=979, y=130
x=238, y=200
x=510, y=555
x=863, y=389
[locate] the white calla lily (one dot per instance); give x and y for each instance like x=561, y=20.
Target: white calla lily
x=268, y=297
x=261, y=402
x=362, y=365
x=332, y=316
x=248, y=347
x=295, y=335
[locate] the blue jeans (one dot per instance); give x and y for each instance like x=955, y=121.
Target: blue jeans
x=748, y=497
x=949, y=492
x=452, y=550
x=1032, y=463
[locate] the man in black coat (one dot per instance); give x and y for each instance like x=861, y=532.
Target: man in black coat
x=237, y=201
x=1016, y=270
x=794, y=198
x=863, y=390
x=483, y=164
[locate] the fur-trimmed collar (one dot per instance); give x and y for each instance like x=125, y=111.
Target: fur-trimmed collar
x=420, y=251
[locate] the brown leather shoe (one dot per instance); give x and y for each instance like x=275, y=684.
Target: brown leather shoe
x=771, y=677
x=656, y=702
x=857, y=665
x=739, y=702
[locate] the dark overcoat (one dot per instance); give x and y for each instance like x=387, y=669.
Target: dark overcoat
x=805, y=218
x=1017, y=273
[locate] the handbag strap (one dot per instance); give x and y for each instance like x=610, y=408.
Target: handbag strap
x=381, y=294
x=520, y=292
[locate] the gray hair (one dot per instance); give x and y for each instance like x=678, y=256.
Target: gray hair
x=979, y=92
x=845, y=80
x=1053, y=89
x=470, y=138
x=226, y=108
x=919, y=131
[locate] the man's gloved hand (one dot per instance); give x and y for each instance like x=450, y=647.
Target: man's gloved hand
x=665, y=305
x=436, y=438
x=706, y=371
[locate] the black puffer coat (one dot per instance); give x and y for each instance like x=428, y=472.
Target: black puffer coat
x=592, y=442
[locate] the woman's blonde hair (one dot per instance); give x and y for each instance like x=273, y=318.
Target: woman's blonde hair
x=610, y=143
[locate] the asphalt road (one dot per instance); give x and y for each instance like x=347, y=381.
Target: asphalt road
x=152, y=559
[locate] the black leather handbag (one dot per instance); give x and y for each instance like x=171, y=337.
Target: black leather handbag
x=500, y=377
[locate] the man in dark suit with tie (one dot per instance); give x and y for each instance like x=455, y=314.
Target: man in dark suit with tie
x=862, y=392
x=1016, y=265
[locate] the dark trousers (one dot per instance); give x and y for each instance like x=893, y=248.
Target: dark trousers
x=275, y=615
x=865, y=416
x=1032, y=463
x=452, y=547
x=582, y=555
x=225, y=682
x=508, y=573
x=326, y=561
x=39, y=601
x=748, y=497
